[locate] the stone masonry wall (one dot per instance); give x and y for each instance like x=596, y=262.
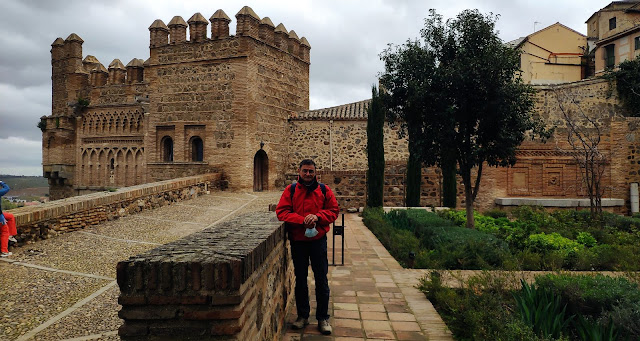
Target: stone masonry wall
x=60, y=216
x=231, y=282
x=339, y=145
x=350, y=186
x=280, y=85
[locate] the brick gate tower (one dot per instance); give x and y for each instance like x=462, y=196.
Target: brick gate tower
x=198, y=104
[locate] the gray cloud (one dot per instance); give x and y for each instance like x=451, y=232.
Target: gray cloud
x=346, y=38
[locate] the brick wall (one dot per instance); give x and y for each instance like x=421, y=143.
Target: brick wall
x=59, y=216
x=232, y=282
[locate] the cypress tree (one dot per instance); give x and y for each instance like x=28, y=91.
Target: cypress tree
x=449, y=181
x=375, y=150
x=413, y=178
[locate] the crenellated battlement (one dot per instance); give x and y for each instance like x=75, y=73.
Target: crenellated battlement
x=69, y=67
x=248, y=24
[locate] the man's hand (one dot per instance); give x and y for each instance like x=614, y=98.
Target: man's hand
x=2, y=220
x=310, y=219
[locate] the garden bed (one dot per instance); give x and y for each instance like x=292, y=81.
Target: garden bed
x=496, y=305
x=554, y=307
x=530, y=239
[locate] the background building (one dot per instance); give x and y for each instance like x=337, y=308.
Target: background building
x=615, y=30
x=554, y=54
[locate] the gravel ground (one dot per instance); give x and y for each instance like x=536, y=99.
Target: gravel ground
x=32, y=296
x=80, y=252
x=96, y=317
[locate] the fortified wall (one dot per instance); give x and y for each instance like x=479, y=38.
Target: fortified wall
x=198, y=104
x=544, y=170
x=61, y=216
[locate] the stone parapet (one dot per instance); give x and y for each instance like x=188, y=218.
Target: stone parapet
x=232, y=282
x=46, y=220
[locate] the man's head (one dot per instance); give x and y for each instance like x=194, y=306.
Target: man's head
x=307, y=170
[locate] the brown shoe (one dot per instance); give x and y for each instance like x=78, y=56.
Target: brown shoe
x=300, y=323
x=324, y=327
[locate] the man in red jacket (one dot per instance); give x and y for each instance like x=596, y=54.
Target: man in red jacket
x=308, y=215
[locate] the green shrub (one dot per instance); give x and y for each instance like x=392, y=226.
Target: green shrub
x=542, y=310
x=592, y=330
x=600, y=298
x=545, y=242
x=586, y=239
x=399, y=242
x=457, y=247
x=496, y=213
x=476, y=313
x=399, y=220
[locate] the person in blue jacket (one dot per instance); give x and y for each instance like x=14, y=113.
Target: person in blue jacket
x=7, y=225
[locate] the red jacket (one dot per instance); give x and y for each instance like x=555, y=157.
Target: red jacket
x=307, y=202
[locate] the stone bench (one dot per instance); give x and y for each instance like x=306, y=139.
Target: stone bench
x=233, y=281
x=554, y=202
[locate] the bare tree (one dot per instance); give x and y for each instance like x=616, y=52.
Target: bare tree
x=584, y=135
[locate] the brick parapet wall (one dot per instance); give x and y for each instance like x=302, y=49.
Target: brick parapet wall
x=232, y=282
x=46, y=220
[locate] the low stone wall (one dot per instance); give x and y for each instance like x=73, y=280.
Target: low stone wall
x=230, y=282
x=349, y=187
x=59, y=216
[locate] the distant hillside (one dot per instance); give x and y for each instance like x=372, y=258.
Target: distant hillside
x=23, y=182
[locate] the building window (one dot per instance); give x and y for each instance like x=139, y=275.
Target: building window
x=167, y=149
x=612, y=23
x=609, y=56
x=196, y=149
x=637, y=42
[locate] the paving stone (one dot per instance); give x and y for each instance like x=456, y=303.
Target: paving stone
x=372, y=315
x=346, y=314
x=348, y=323
x=371, y=307
x=405, y=326
x=401, y=317
x=376, y=325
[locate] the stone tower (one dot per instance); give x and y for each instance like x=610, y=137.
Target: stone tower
x=198, y=104
x=69, y=82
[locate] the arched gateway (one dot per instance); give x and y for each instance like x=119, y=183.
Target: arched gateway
x=260, y=171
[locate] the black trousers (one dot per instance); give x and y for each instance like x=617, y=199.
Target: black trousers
x=301, y=253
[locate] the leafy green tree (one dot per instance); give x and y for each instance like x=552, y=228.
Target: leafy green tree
x=468, y=100
x=375, y=150
x=405, y=82
x=628, y=85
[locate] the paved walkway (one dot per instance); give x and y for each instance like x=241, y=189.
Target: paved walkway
x=64, y=288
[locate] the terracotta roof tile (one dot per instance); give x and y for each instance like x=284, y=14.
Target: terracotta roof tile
x=351, y=111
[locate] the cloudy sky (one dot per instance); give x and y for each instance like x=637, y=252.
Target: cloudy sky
x=346, y=39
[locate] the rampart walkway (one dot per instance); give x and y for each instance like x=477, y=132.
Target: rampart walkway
x=64, y=288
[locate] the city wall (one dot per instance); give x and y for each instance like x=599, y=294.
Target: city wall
x=60, y=216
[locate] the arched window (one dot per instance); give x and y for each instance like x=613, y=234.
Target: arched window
x=167, y=149
x=196, y=149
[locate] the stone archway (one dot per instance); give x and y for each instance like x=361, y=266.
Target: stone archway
x=260, y=171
